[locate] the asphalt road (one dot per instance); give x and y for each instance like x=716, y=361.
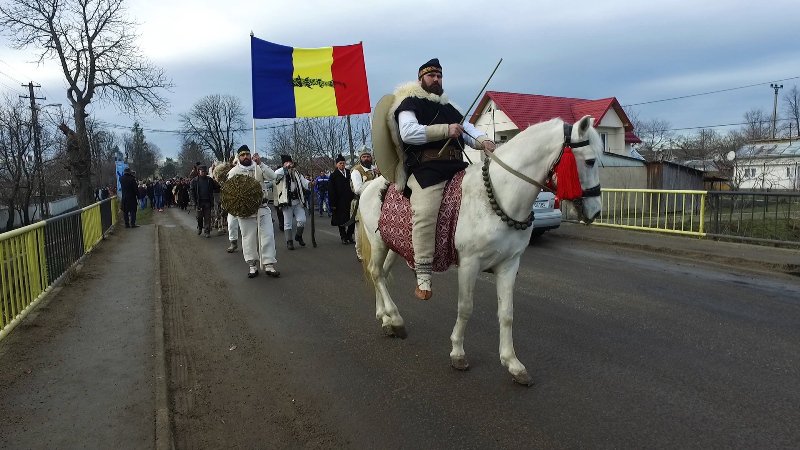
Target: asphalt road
x=627, y=349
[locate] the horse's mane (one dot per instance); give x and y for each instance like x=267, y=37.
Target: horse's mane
x=595, y=142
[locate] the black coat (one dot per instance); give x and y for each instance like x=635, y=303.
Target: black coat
x=129, y=188
x=340, y=196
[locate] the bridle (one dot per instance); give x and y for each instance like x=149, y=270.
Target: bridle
x=590, y=192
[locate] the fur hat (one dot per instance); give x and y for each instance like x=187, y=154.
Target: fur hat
x=243, y=149
x=340, y=158
x=285, y=159
x=365, y=151
x=430, y=66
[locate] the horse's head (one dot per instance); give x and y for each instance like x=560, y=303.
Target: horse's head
x=587, y=147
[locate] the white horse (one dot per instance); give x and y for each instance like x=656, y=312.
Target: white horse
x=484, y=241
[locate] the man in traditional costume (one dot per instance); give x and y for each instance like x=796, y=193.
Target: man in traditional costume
x=258, y=236
x=427, y=121
x=290, y=191
x=360, y=176
x=341, y=195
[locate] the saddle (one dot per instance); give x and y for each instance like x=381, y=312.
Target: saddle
x=394, y=225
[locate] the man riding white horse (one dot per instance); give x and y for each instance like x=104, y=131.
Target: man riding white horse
x=427, y=121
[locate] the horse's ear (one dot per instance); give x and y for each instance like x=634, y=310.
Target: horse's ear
x=584, y=124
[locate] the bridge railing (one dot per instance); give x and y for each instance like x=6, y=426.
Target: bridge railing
x=35, y=257
x=669, y=211
x=767, y=217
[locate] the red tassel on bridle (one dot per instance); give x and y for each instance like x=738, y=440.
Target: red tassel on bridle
x=568, y=184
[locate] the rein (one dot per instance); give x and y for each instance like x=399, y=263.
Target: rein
x=522, y=225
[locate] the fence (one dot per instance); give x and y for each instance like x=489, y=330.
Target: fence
x=768, y=217
x=35, y=257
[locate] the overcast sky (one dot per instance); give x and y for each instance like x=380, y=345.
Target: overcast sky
x=635, y=51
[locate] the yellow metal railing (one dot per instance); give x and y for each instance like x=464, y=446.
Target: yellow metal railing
x=679, y=212
x=24, y=275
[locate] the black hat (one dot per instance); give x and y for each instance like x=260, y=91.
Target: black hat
x=127, y=170
x=243, y=149
x=203, y=167
x=285, y=159
x=340, y=158
x=430, y=66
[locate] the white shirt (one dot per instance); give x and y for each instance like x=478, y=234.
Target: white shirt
x=358, y=180
x=411, y=132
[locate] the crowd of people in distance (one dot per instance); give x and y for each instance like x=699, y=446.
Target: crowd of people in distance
x=286, y=200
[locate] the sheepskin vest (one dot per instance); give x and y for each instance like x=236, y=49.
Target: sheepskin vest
x=430, y=109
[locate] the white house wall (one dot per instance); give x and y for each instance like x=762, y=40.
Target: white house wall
x=613, y=128
x=769, y=174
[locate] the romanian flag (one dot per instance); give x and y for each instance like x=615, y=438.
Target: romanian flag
x=308, y=82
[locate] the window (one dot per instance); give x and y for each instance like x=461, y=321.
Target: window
x=503, y=138
x=604, y=137
x=788, y=172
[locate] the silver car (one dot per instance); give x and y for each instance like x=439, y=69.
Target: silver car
x=545, y=214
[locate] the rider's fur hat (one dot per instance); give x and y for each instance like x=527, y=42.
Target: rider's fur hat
x=243, y=149
x=430, y=66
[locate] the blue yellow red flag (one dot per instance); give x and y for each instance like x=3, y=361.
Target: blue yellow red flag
x=308, y=82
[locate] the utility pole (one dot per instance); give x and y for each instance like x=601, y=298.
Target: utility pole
x=775, y=107
x=37, y=148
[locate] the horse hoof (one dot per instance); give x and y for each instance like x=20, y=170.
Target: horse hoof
x=400, y=332
x=459, y=363
x=394, y=332
x=523, y=378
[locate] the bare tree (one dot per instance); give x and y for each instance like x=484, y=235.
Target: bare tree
x=315, y=143
x=215, y=121
x=656, y=136
x=792, y=99
x=190, y=154
x=95, y=45
x=16, y=160
x=757, y=125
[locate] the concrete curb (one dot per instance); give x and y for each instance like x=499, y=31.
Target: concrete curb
x=709, y=255
x=163, y=431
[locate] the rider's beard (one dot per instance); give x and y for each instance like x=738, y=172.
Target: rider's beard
x=245, y=162
x=433, y=88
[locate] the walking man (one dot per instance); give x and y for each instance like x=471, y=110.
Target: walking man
x=341, y=196
x=203, y=188
x=258, y=236
x=290, y=189
x=360, y=176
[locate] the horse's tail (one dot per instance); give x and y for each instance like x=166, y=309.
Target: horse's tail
x=366, y=249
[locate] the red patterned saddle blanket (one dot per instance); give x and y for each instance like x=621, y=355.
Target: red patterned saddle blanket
x=395, y=225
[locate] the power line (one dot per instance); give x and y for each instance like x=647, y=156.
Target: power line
x=708, y=93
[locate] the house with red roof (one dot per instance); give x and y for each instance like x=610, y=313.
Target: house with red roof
x=504, y=114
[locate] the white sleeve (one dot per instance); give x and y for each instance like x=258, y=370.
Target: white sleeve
x=269, y=174
x=411, y=132
x=471, y=132
x=303, y=180
x=355, y=177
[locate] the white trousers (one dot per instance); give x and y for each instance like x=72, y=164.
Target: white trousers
x=233, y=227
x=425, y=205
x=295, y=211
x=258, y=237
